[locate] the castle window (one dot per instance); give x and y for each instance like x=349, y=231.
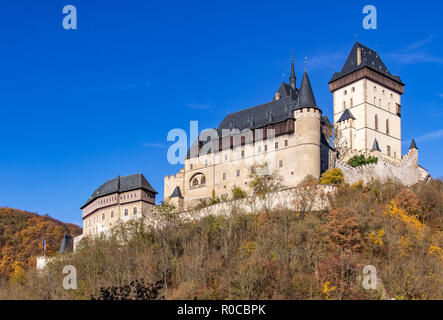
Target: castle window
x=286, y=143
x=224, y=176
x=345, y=92
x=195, y=182
x=353, y=89
x=276, y=145
x=112, y=214
x=387, y=126
x=238, y=173
x=266, y=147
x=391, y=95
x=351, y=103
x=103, y=216
x=376, y=122
x=203, y=180
x=280, y=163
x=134, y=210
x=126, y=212
x=375, y=89
x=242, y=153
x=191, y=166
x=383, y=92
x=389, y=151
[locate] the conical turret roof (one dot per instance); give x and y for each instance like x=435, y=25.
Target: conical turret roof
x=305, y=97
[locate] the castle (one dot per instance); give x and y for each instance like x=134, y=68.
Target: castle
x=290, y=134
x=366, y=120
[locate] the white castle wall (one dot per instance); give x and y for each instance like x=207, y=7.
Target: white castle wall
x=407, y=171
x=312, y=198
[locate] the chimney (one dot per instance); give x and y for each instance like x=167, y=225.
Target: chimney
x=358, y=56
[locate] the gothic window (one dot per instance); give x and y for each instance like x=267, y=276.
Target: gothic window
x=195, y=182
x=376, y=123
x=387, y=126
x=203, y=180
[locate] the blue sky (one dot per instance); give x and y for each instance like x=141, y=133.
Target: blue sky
x=79, y=107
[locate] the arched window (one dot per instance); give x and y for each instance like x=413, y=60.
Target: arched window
x=376, y=123
x=195, y=182
x=203, y=180
x=387, y=126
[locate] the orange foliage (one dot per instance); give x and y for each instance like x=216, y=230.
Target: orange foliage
x=21, y=234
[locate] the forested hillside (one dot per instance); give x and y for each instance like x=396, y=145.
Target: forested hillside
x=21, y=235
x=275, y=254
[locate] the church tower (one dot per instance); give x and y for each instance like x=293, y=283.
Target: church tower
x=367, y=106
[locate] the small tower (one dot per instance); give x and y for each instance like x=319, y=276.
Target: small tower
x=413, y=151
x=375, y=150
x=177, y=199
x=307, y=131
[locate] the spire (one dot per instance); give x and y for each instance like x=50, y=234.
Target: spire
x=305, y=97
x=413, y=145
x=375, y=147
x=292, y=78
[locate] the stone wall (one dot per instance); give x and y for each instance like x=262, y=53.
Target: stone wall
x=313, y=198
x=407, y=171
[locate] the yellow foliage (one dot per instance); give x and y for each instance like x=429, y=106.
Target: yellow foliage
x=327, y=289
x=248, y=247
x=376, y=237
x=410, y=220
x=436, y=250
x=332, y=176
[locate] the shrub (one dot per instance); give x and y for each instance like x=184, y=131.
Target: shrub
x=360, y=160
x=332, y=176
x=238, y=193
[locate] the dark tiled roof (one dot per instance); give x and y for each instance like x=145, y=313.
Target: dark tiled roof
x=119, y=185
x=369, y=58
x=375, y=146
x=305, y=97
x=346, y=115
x=268, y=113
x=176, y=193
x=413, y=145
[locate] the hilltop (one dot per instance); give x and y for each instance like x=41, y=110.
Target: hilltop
x=276, y=254
x=21, y=234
